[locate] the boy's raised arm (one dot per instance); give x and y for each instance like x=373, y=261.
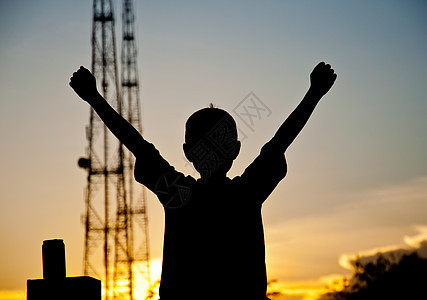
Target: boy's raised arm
x=84, y=84
x=322, y=78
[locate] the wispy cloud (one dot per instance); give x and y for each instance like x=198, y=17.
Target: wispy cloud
x=413, y=190
x=386, y=219
x=417, y=243
x=418, y=240
x=313, y=289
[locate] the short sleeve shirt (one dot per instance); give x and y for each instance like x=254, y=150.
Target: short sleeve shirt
x=214, y=238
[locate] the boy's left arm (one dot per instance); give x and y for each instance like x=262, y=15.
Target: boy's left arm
x=269, y=168
x=322, y=78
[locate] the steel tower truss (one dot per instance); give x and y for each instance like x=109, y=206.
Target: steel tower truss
x=109, y=229
x=138, y=221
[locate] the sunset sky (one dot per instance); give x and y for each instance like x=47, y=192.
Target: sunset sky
x=357, y=174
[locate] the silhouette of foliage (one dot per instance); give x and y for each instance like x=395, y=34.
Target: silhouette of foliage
x=385, y=278
x=271, y=290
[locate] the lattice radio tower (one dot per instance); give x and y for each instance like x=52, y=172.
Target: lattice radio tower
x=115, y=219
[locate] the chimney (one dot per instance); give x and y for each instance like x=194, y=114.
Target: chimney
x=53, y=252
x=55, y=285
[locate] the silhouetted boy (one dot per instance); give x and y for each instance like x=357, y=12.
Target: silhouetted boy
x=214, y=239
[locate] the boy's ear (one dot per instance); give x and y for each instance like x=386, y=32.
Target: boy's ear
x=186, y=151
x=236, y=150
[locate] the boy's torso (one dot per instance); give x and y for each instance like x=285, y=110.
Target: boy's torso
x=214, y=241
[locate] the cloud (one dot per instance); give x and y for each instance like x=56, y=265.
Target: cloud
x=396, y=206
x=416, y=243
x=418, y=240
x=388, y=219
x=313, y=289
x=399, y=203
x=372, y=221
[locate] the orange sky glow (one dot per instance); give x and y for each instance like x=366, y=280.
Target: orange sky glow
x=357, y=173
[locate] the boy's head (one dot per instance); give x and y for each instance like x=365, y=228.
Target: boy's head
x=211, y=141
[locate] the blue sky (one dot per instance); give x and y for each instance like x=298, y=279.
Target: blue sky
x=364, y=145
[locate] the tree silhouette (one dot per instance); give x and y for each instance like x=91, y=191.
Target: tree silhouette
x=272, y=292
x=387, y=277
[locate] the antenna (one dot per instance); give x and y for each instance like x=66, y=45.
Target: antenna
x=111, y=211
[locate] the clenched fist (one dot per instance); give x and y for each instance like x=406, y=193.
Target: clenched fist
x=84, y=84
x=322, y=78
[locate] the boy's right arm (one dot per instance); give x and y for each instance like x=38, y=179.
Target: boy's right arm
x=151, y=169
x=84, y=84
